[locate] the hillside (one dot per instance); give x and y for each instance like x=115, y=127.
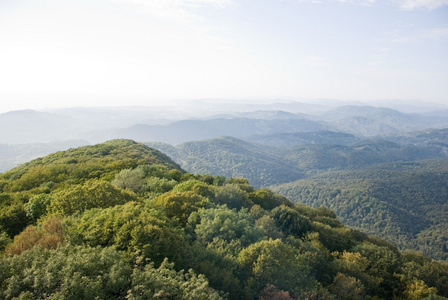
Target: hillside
x=433, y=137
x=120, y=220
x=288, y=140
x=405, y=203
x=232, y=157
x=11, y=155
x=358, y=164
x=267, y=165
x=368, y=120
x=192, y=130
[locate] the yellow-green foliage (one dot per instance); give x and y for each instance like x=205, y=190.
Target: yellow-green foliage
x=92, y=194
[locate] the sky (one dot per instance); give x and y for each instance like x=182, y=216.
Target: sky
x=65, y=53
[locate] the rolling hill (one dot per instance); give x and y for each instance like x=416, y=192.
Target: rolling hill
x=405, y=203
x=232, y=157
x=266, y=165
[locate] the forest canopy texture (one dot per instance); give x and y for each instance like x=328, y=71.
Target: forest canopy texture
x=120, y=220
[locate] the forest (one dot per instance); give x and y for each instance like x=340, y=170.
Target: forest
x=393, y=186
x=405, y=203
x=121, y=220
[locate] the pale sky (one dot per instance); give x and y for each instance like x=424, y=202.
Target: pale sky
x=59, y=53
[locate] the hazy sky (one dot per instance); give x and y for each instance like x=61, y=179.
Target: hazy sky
x=144, y=52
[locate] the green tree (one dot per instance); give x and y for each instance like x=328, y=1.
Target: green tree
x=92, y=194
x=233, y=196
x=290, y=221
x=130, y=227
x=166, y=283
x=180, y=205
x=131, y=179
x=37, y=206
x=13, y=219
x=347, y=288
x=225, y=224
x=65, y=273
x=274, y=262
x=267, y=199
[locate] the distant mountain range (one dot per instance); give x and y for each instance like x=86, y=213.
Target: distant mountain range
x=12, y=155
x=158, y=125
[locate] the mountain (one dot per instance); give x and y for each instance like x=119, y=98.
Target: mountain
x=120, y=220
x=364, y=153
x=232, y=157
x=12, y=155
x=182, y=123
x=360, y=121
x=120, y=152
x=191, y=130
x=422, y=137
x=369, y=120
x=405, y=203
x=30, y=126
x=266, y=165
x=284, y=125
x=265, y=115
x=287, y=140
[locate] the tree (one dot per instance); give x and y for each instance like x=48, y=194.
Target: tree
x=225, y=224
x=131, y=179
x=64, y=273
x=164, y=282
x=267, y=199
x=180, y=205
x=270, y=292
x=13, y=219
x=233, y=196
x=37, y=206
x=347, y=288
x=48, y=235
x=417, y=289
x=132, y=228
x=274, y=262
x=92, y=194
x=290, y=221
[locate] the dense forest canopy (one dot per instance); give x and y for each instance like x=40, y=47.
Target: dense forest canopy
x=405, y=203
x=120, y=220
x=393, y=186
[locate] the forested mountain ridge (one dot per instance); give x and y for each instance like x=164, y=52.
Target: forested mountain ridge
x=369, y=120
x=232, y=157
x=287, y=140
x=297, y=154
x=192, y=130
x=410, y=226
x=421, y=137
x=120, y=220
x=405, y=203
